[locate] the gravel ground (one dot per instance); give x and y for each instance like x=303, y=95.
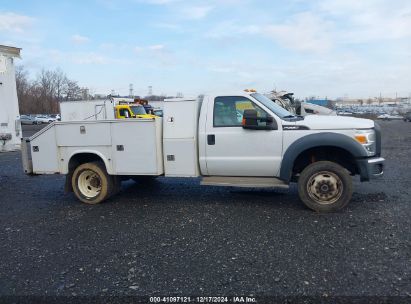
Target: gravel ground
x=174, y=237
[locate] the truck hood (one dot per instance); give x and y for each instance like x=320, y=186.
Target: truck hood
x=319, y=122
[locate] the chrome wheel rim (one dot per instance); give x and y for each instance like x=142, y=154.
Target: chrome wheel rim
x=89, y=183
x=325, y=187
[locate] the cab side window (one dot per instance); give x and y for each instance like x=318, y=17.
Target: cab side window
x=229, y=110
x=123, y=113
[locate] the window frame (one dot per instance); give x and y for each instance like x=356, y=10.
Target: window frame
x=124, y=111
x=235, y=96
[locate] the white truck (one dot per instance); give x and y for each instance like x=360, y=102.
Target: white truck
x=239, y=140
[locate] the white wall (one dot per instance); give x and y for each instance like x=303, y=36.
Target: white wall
x=9, y=107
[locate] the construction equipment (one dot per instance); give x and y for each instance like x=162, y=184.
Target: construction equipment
x=131, y=111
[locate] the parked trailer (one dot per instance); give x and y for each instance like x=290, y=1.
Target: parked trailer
x=10, y=126
x=239, y=140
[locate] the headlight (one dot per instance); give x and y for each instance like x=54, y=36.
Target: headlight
x=367, y=139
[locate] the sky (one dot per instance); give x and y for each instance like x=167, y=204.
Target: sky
x=330, y=48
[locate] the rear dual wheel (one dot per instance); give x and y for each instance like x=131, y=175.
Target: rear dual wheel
x=92, y=184
x=325, y=186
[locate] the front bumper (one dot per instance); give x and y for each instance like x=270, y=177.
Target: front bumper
x=370, y=168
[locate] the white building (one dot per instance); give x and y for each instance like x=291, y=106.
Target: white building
x=10, y=128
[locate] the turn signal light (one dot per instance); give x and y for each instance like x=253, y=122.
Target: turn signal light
x=362, y=139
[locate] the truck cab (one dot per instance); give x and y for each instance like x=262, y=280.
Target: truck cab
x=131, y=111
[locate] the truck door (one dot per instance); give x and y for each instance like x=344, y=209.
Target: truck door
x=231, y=150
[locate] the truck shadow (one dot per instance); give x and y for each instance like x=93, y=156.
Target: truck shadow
x=171, y=191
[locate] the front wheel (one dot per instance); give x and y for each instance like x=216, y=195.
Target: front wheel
x=91, y=183
x=325, y=186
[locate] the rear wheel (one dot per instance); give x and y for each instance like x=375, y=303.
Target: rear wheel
x=91, y=183
x=325, y=187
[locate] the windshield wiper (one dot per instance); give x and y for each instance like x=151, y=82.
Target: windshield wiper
x=297, y=117
x=290, y=116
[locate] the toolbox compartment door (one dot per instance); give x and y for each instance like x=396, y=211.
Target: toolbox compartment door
x=83, y=135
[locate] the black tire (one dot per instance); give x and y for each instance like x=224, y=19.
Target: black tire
x=91, y=183
x=116, y=184
x=325, y=186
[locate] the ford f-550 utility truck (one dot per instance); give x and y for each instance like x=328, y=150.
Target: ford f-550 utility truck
x=240, y=140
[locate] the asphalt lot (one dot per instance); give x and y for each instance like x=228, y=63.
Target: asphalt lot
x=174, y=237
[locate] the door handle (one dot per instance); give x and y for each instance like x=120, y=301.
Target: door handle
x=211, y=139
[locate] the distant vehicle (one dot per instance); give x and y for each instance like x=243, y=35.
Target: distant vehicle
x=149, y=109
x=345, y=113
x=55, y=117
x=28, y=120
x=286, y=100
x=313, y=109
x=158, y=112
x=407, y=116
x=389, y=117
x=43, y=119
x=131, y=111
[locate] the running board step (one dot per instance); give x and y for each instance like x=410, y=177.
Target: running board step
x=247, y=182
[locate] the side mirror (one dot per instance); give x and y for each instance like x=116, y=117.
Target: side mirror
x=252, y=121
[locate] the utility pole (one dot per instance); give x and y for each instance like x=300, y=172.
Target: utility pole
x=131, y=94
x=150, y=90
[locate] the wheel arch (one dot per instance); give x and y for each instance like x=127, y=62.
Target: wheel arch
x=325, y=142
x=81, y=157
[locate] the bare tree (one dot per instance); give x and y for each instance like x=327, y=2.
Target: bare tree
x=23, y=88
x=73, y=91
x=60, y=83
x=44, y=93
x=45, y=83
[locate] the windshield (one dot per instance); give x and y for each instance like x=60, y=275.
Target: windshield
x=138, y=110
x=275, y=108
